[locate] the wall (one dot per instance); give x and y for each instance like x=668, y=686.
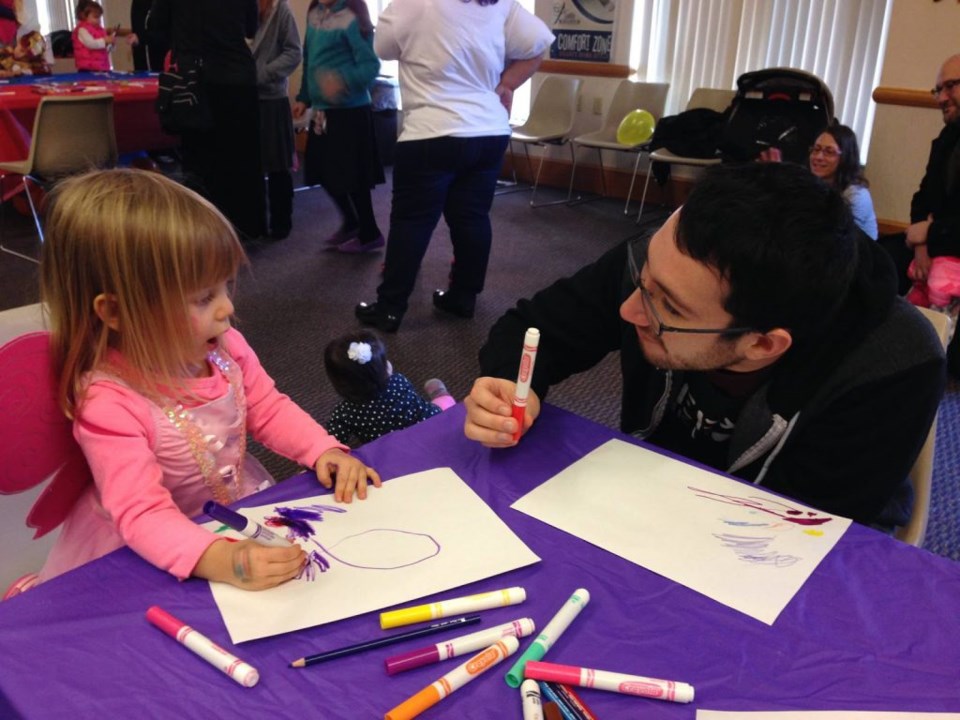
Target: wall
x=922, y=35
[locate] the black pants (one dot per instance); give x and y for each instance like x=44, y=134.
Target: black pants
x=280, y=202
x=224, y=163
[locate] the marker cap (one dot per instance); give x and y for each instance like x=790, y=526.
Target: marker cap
x=225, y=515
x=405, y=616
x=164, y=620
x=411, y=660
x=514, y=676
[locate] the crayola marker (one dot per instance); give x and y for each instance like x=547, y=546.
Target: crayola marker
x=670, y=690
x=454, y=606
x=531, y=341
x=454, y=680
x=545, y=640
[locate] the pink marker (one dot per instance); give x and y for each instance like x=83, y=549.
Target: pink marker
x=203, y=646
x=457, y=646
x=531, y=341
x=612, y=681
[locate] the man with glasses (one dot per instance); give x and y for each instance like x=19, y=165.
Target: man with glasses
x=935, y=210
x=759, y=333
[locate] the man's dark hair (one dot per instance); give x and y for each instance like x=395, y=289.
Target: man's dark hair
x=784, y=241
x=355, y=381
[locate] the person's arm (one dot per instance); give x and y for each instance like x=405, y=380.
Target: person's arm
x=160, y=22
x=359, y=74
x=861, y=205
x=251, y=18
x=385, y=41
x=579, y=323
x=303, y=96
x=289, y=53
x=852, y=458
x=90, y=42
x=513, y=76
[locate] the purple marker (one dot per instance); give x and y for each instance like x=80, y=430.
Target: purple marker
x=244, y=526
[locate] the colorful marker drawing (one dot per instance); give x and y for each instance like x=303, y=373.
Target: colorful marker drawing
x=375, y=549
x=756, y=548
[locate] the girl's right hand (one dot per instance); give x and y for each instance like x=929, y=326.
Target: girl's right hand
x=249, y=565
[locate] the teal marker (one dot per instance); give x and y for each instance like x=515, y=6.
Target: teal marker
x=545, y=640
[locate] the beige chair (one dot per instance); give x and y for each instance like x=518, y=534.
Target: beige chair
x=710, y=98
x=550, y=123
x=628, y=96
x=71, y=134
x=921, y=474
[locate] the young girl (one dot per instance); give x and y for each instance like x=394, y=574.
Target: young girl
x=338, y=67
x=91, y=43
x=136, y=275
x=376, y=400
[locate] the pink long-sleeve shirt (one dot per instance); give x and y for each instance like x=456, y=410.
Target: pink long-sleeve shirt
x=141, y=501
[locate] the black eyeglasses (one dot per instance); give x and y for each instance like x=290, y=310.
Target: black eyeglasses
x=947, y=85
x=637, y=259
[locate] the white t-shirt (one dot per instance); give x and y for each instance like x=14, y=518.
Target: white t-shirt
x=451, y=56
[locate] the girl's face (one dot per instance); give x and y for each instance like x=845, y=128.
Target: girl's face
x=93, y=17
x=210, y=310
x=825, y=157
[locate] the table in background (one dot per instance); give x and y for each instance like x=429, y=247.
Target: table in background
x=876, y=627
x=135, y=120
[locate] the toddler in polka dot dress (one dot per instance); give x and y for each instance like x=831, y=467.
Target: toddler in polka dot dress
x=375, y=399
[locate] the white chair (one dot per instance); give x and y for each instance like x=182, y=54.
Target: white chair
x=71, y=134
x=921, y=474
x=628, y=96
x=550, y=123
x=710, y=98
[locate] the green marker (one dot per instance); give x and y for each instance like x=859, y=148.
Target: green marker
x=545, y=640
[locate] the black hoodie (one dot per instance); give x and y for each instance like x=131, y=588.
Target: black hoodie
x=837, y=425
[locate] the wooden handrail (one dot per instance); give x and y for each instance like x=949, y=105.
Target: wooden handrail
x=904, y=97
x=590, y=69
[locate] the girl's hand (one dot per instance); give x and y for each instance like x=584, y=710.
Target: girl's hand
x=921, y=264
x=319, y=122
x=350, y=474
x=249, y=565
x=299, y=108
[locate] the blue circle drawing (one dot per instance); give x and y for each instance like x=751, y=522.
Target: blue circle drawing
x=600, y=11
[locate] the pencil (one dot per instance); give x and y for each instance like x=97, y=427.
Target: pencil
x=389, y=640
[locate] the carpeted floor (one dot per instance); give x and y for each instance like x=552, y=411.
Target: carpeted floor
x=296, y=297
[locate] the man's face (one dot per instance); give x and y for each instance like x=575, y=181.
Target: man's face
x=685, y=294
x=949, y=99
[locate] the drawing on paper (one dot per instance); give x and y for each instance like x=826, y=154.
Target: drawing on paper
x=751, y=543
x=375, y=549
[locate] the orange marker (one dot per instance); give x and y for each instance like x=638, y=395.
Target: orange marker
x=454, y=680
x=531, y=341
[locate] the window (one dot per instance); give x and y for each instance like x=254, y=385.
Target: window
x=710, y=43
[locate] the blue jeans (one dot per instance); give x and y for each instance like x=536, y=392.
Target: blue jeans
x=449, y=175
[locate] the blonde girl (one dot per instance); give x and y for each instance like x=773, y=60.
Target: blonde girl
x=136, y=275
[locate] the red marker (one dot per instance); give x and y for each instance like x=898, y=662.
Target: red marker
x=203, y=646
x=530, y=343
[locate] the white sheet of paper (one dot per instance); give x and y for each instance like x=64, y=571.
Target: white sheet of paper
x=823, y=715
x=417, y=535
x=734, y=543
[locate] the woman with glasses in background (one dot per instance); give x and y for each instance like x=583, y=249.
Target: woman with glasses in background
x=835, y=159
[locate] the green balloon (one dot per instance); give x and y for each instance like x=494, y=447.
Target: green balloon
x=635, y=128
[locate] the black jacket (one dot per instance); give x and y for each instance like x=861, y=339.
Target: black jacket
x=838, y=424
x=939, y=194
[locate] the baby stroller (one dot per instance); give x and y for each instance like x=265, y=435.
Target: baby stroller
x=780, y=108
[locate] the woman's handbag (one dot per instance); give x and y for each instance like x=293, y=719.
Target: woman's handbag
x=181, y=99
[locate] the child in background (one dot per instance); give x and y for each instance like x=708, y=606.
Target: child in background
x=136, y=274
x=339, y=66
x=91, y=43
x=376, y=400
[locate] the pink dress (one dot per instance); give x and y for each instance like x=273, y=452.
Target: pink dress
x=155, y=466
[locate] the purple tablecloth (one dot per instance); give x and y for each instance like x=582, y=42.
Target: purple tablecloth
x=877, y=626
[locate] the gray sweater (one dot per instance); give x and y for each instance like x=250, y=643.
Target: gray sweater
x=277, y=51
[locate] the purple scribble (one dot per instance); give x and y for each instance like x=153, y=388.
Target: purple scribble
x=398, y=550
x=784, y=511
x=754, y=550
x=297, y=520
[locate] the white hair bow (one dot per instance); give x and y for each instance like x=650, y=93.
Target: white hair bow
x=360, y=352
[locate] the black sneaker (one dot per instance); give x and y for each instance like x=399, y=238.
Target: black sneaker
x=458, y=305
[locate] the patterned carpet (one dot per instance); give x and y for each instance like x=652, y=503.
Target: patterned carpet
x=296, y=297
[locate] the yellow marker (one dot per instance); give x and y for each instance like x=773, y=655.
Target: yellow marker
x=454, y=680
x=456, y=606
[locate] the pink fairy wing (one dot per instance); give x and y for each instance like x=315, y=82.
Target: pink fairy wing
x=37, y=437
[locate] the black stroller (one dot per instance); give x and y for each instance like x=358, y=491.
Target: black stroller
x=782, y=108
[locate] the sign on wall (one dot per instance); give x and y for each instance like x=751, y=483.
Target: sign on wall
x=584, y=30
